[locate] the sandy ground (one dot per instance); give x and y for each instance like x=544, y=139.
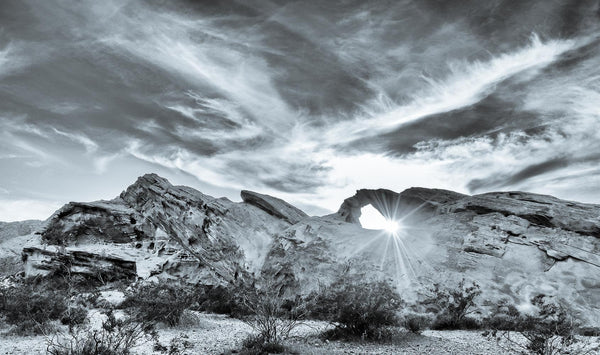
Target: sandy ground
x=218, y=334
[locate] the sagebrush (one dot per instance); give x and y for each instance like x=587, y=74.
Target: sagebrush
x=357, y=308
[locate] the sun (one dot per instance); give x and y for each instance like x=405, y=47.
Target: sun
x=372, y=219
x=391, y=226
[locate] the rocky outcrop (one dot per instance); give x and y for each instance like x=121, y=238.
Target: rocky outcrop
x=393, y=205
x=93, y=222
x=78, y=262
x=182, y=231
x=13, y=237
x=350, y=212
x=274, y=206
x=514, y=244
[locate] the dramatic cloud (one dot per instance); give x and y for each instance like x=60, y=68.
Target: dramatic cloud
x=308, y=101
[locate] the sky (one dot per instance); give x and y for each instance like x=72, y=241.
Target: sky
x=304, y=100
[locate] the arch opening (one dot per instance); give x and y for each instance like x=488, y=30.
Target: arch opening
x=371, y=218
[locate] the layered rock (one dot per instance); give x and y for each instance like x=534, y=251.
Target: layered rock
x=100, y=221
x=393, y=205
x=72, y=262
x=171, y=230
x=13, y=236
x=274, y=206
x=514, y=244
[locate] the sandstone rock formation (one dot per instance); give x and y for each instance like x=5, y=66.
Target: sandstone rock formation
x=103, y=268
x=514, y=244
x=388, y=203
x=13, y=236
x=274, y=206
x=167, y=230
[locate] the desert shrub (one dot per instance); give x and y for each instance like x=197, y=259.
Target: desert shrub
x=453, y=305
x=357, y=308
x=504, y=316
x=416, y=323
x=158, y=302
x=93, y=299
x=74, y=315
x=589, y=331
x=114, y=337
x=550, y=330
x=221, y=300
x=270, y=315
x=10, y=265
x=30, y=307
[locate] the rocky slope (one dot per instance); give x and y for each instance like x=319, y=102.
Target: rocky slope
x=514, y=244
x=172, y=231
x=13, y=235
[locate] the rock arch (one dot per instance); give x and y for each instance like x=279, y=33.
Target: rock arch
x=350, y=210
x=393, y=205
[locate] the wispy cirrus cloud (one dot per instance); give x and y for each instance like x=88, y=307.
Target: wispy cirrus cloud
x=304, y=100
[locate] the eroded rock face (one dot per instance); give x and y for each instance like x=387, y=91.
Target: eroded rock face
x=393, y=205
x=100, y=267
x=514, y=244
x=13, y=236
x=95, y=221
x=274, y=206
x=171, y=230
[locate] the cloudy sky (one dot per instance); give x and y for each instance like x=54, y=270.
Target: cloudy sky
x=305, y=100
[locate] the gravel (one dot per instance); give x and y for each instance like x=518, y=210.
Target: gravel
x=219, y=334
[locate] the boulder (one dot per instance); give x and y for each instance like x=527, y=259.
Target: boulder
x=274, y=206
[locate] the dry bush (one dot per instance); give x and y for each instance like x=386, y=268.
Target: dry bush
x=31, y=306
x=114, y=337
x=270, y=315
x=453, y=306
x=550, y=330
x=357, y=308
x=416, y=323
x=159, y=302
x=219, y=299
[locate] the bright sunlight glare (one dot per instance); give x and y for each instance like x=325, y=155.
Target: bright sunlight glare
x=370, y=218
x=391, y=226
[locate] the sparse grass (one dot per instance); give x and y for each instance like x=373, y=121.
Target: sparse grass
x=258, y=345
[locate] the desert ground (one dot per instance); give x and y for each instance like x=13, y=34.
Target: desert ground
x=219, y=334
